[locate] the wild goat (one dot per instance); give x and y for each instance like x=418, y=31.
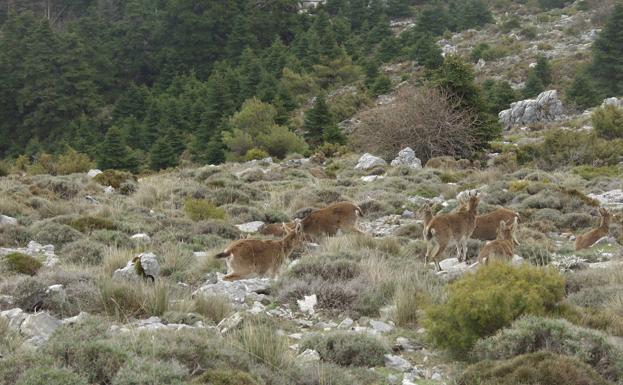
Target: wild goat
x=247, y=258
x=503, y=246
x=587, y=239
x=327, y=221
x=456, y=226
x=487, y=224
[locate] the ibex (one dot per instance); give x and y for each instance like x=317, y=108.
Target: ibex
x=327, y=221
x=503, y=246
x=248, y=258
x=590, y=237
x=456, y=226
x=487, y=224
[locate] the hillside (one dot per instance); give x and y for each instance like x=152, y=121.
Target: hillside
x=141, y=140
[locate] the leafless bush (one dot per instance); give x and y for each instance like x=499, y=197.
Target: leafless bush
x=425, y=119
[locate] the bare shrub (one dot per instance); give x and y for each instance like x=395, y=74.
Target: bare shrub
x=425, y=119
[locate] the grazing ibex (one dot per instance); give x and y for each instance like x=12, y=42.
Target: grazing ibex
x=503, y=246
x=327, y=221
x=248, y=258
x=587, y=239
x=456, y=226
x=487, y=224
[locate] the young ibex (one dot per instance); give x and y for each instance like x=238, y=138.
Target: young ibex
x=327, y=221
x=587, y=239
x=487, y=224
x=456, y=226
x=503, y=246
x=248, y=258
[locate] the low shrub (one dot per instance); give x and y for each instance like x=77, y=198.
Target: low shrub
x=275, y=216
x=256, y=153
x=212, y=307
x=608, y=122
x=531, y=334
x=22, y=263
x=142, y=370
x=241, y=213
x=130, y=299
x=14, y=236
x=72, y=162
x=225, y=377
x=57, y=234
x=348, y=349
x=590, y=172
x=83, y=252
x=480, y=304
x=89, y=224
x=228, y=196
x=263, y=345
x=535, y=368
x=217, y=227
x=114, y=178
x=112, y=238
x=202, y=209
x=51, y=376
x=128, y=187
x=536, y=252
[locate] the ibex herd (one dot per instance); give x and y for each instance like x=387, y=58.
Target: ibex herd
x=249, y=258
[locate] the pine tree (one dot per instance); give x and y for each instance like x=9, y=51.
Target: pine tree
x=113, y=152
x=534, y=85
x=382, y=85
x=215, y=151
x=584, y=91
x=607, y=67
x=317, y=121
x=433, y=19
x=176, y=140
x=426, y=52
x=398, y=8
x=543, y=70
x=161, y=155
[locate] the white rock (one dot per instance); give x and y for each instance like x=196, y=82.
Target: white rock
x=92, y=200
x=54, y=289
x=380, y=326
x=250, y=227
x=109, y=190
x=368, y=161
x=371, y=178
x=612, y=102
x=347, y=323
x=449, y=263
x=612, y=198
x=406, y=157
x=306, y=305
x=141, y=237
x=75, y=319
x=150, y=266
x=93, y=173
x=257, y=308
x=405, y=344
x=309, y=355
x=397, y=363
x=436, y=377
x=200, y=254
x=15, y=317
x=546, y=107
x=5, y=220
x=229, y=323
x=236, y=291
x=39, y=326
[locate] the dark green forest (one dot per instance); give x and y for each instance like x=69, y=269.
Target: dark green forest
x=142, y=83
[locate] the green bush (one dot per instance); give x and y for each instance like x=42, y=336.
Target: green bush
x=83, y=252
x=532, y=334
x=139, y=371
x=114, y=178
x=202, y=209
x=89, y=224
x=51, y=376
x=608, y=122
x=228, y=196
x=263, y=345
x=480, y=304
x=256, y=153
x=47, y=232
x=73, y=162
x=4, y=169
x=225, y=377
x=22, y=263
x=347, y=349
x=534, y=368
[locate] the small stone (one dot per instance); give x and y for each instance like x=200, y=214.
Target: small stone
x=347, y=323
x=296, y=336
x=257, y=308
x=141, y=238
x=75, y=319
x=392, y=379
x=397, y=363
x=15, y=317
x=368, y=161
x=309, y=355
x=39, y=326
x=250, y=227
x=91, y=200
x=229, y=323
x=436, y=377
x=406, y=157
x=306, y=305
x=200, y=254
x=5, y=220
x=408, y=214
x=371, y=178
x=405, y=344
x=109, y=190
x=380, y=326
x=93, y=173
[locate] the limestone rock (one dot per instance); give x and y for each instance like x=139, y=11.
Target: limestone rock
x=93, y=173
x=306, y=305
x=39, y=327
x=380, y=326
x=368, y=161
x=613, y=102
x=6, y=220
x=237, y=291
x=397, y=363
x=141, y=238
x=230, y=323
x=250, y=227
x=309, y=355
x=406, y=157
x=148, y=262
x=546, y=107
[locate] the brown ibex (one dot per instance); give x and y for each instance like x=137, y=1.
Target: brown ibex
x=587, y=239
x=487, y=224
x=503, y=246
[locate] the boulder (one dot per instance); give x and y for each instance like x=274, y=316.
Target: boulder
x=6, y=220
x=545, y=108
x=306, y=305
x=237, y=291
x=397, y=363
x=308, y=356
x=368, y=161
x=230, y=323
x=381, y=327
x=613, y=102
x=406, y=157
x=612, y=198
x=93, y=173
x=149, y=264
x=250, y=227
x=109, y=190
x=39, y=327
x=346, y=324
x=15, y=317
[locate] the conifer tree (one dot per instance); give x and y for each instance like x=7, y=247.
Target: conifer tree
x=543, y=70
x=534, y=85
x=607, y=67
x=161, y=155
x=113, y=152
x=584, y=91
x=317, y=121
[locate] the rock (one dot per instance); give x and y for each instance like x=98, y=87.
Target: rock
x=6, y=301
x=380, y=326
x=15, y=317
x=109, y=190
x=448, y=49
x=237, y=291
x=306, y=305
x=612, y=198
x=408, y=214
x=397, y=363
x=612, y=102
x=347, y=323
x=406, y=157
x=403, y=343
x=309, y=355
x=200, y=254
x=141, y=238
x=481, y=64
x=368, y=161
x=93, y=173
x=148, y=262
x=546, y=107
x=436, y=377
x=5, y=220
x=39, y=327
x=230, y=323
x=371, y=178
x=91, y=200
x=75, y=319
x=257, y=308
x=250, y=227
x=392, y=379
x=449, y=263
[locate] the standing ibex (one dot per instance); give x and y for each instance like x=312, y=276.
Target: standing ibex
x=456, y=226
x=503, y=246
x=487, y=224
x=256, y=257
x=327, y=221
x=587, y=239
